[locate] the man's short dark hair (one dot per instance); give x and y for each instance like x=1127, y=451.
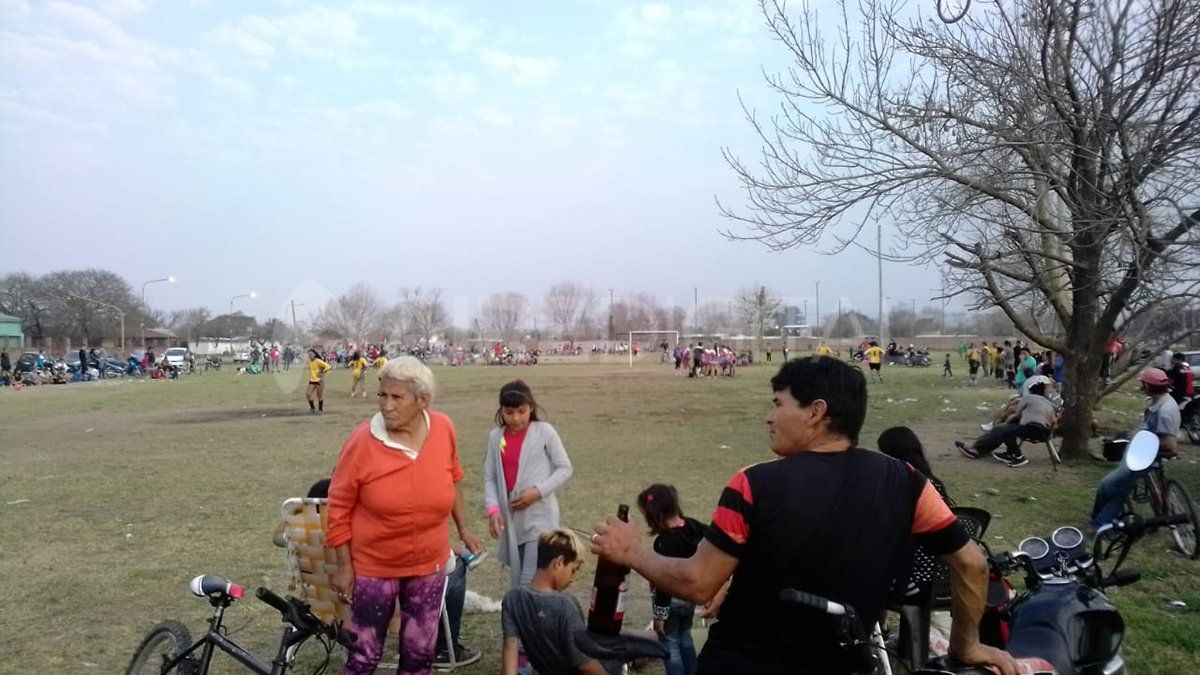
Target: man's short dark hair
x=1038, y=389
x=841, y=386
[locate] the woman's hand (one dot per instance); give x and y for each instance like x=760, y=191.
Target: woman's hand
x=342, y=582
x=660, y=628
x=469, y=540
x=712, y=608
x=495, y=525
x=526, y=499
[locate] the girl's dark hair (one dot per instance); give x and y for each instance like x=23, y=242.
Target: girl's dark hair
x=313, y=352
x=902, y=444
x=659, y=503
x=513, y=395
x=357, y=355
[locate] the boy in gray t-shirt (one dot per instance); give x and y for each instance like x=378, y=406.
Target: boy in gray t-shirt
x=543, y=619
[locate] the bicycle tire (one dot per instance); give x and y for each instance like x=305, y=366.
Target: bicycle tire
x=1192, y=428
x=166, y=640
x=1187, y=535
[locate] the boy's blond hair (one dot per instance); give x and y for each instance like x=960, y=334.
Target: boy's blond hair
x=558, y=542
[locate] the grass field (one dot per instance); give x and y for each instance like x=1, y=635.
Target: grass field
x=114, y=494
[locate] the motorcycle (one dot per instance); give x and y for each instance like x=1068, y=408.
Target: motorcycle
x=1063, y=622
x=212, y=361
x=917, y=359
x=1189, y=410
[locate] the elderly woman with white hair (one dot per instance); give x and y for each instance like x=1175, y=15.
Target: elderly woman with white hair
x=396, y=483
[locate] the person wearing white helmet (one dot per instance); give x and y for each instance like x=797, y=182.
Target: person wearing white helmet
x=1161, y=417
x=1033, y=418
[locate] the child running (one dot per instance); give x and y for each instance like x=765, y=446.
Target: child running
x=316, y=382
x=676, y=536
x=357, y=365
x=874, y=356
x=525, y=463
x=543, y=618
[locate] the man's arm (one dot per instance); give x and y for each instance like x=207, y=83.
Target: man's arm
x=592, y=667
x=509, y=656
x=696, y=579
x=968, y=593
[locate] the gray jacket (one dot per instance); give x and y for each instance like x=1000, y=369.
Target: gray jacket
x=544, y=465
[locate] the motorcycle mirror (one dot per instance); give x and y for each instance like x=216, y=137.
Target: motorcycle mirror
x=1141, y=451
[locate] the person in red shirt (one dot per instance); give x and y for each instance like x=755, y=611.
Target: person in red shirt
x=395, y=485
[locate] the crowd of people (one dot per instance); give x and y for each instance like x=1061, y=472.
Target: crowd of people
x=393, y=548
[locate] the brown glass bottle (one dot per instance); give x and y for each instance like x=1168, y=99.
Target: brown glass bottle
x=607, y=608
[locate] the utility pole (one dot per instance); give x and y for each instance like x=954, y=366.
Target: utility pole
x=879, y=262
x=695, y=310
x=610, y=316
x=914, y=318
x=295, y=324
x=818, y=306
x=839, y=320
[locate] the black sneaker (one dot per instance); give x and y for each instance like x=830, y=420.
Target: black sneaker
x=968, y=452
x=1002, y=456
x=1018, y=460
x=463, y=656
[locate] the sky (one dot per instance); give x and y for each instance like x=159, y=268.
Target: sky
x=294, y=149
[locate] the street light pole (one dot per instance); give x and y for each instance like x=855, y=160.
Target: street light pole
x=295, y=325
x=695, y=310
x=818, y=306
x=169, y=279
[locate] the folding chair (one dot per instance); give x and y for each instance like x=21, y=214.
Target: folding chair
x=915, y=620
x=312, y=566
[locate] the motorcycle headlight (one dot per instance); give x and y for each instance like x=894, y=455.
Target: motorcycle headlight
x=1034, y=547
x=1067, y=537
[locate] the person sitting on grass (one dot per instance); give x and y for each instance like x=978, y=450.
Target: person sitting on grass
x=542, y=618
x=1033, y=419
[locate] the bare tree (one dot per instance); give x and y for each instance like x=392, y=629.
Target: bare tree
x=567, y=304
x=505, y=314
x=80, y=303
x=757, y=305
x=1046, y=150
x=353, y=315
x=712, y=317
x=188, y=322
x=425, y=311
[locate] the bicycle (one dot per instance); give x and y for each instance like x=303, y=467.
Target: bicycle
x=168, y=647
x=1168, y=497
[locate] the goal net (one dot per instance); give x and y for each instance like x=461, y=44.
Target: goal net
x=653, y=341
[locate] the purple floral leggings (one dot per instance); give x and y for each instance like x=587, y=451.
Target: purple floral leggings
x=371, y=611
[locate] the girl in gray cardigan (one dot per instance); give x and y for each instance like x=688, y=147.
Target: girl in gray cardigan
x=525, y=463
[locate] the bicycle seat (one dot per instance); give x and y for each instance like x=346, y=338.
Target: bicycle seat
x=623, y=647
x=214, y=587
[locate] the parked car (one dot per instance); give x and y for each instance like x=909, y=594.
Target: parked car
x=27, y=362
x=241, y=357
x=177, y=357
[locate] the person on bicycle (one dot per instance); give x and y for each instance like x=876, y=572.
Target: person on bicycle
x=826, y=518
x=1161, y=417
x=1183, y=386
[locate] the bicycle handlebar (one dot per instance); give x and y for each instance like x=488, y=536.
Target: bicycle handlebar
x=1140, y=525
x=791, y=596
x=300, y=615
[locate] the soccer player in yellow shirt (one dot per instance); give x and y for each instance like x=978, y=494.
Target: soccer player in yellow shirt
x=316, y=382
x=874, y=354
x=357, y=365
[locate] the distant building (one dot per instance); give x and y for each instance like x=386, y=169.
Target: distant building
x=11, y=335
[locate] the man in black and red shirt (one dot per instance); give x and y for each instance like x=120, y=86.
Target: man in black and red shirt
x=825, y=518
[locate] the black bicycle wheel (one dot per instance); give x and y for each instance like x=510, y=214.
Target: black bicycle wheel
x=165, y=641
x=1192, y=428
x=1187, y=534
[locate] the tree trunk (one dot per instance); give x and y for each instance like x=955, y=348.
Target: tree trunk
x=1081, y=372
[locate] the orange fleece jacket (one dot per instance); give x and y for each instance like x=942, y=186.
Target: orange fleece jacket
x=392, y=510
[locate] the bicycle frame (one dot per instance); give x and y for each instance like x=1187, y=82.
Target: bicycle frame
x=214, y=639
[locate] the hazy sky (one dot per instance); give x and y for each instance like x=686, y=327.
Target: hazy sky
x=294, y=149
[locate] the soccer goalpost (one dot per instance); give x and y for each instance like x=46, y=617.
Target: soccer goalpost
x=674, y=340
